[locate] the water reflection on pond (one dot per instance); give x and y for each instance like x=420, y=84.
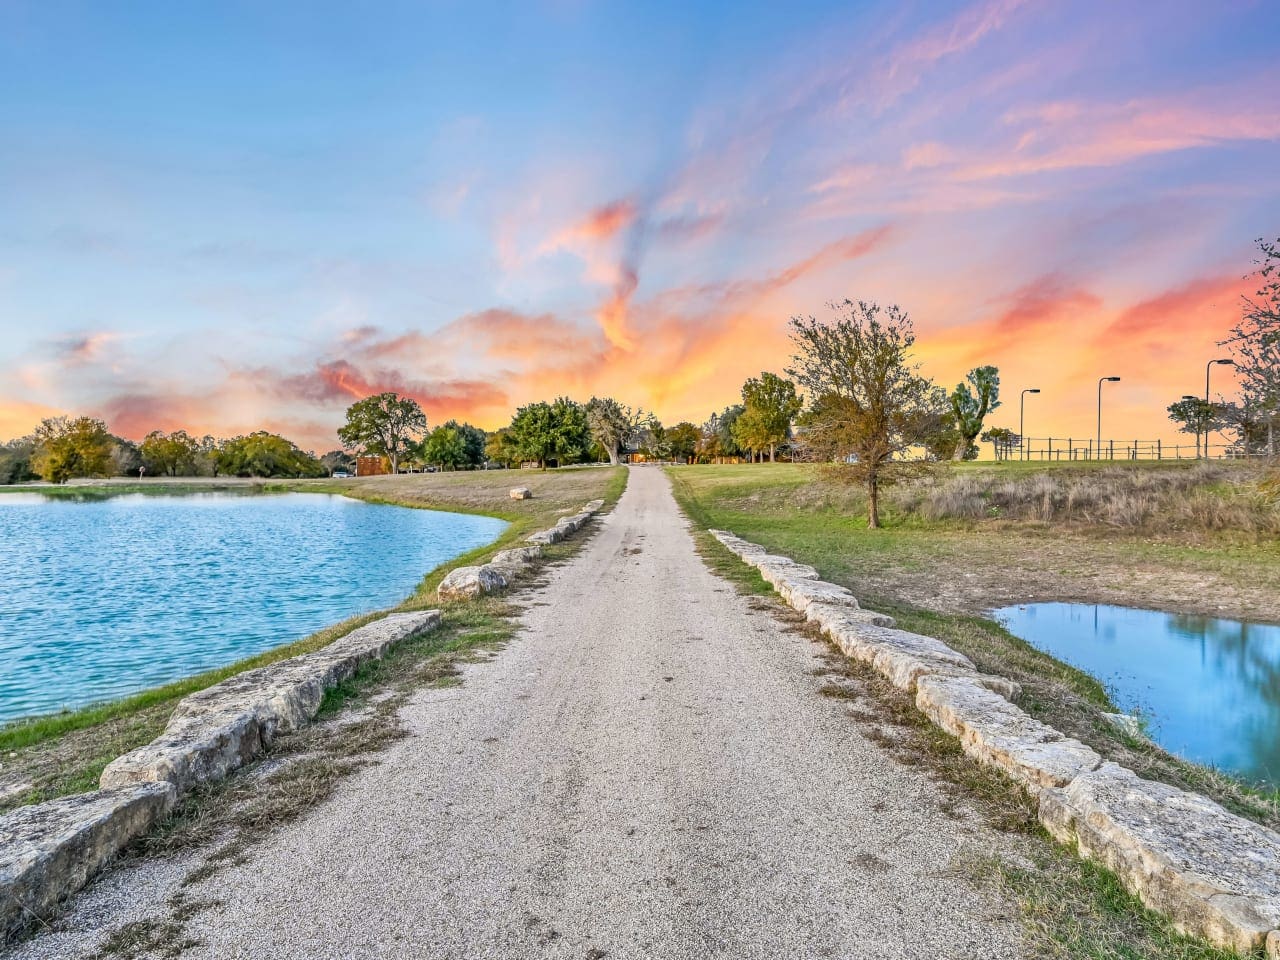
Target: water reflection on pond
x=1211, y=688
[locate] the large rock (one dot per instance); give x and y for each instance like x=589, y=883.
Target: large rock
x=778, y=570
x=997, y=733
x=800, y=593
x=833, y=616
x=1214, y=874
x=520, y=493
x=467, y=583
x=218, y=729
x=50, y=850
x=511, y=563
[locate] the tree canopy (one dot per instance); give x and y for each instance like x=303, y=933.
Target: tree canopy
x=173, y=454
x=868, y=402
x=383, y=425
x=550, y=431
x=264, y=454
x=769, y=406
x=1255, y=348
x=613, y=425
x=970, y=403
x=67, y=448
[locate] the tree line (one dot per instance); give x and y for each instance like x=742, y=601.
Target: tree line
x=66, y=448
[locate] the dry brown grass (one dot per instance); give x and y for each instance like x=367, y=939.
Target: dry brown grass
x=1200, y=498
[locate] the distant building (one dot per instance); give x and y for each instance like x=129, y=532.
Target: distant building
x=371, y=466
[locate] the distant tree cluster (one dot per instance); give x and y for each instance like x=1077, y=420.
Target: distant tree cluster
x=69, y=448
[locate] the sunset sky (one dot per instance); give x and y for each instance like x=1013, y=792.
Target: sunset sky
x=232, y=216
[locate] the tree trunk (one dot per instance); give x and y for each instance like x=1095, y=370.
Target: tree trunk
x=613, y=456
x=961, y=448
x=771, y=460
x=873, y=503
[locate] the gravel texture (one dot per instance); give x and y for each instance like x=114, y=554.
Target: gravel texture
x=646, y=771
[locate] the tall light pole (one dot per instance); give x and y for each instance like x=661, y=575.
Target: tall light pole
x=1101, y=381
x=1226, y=362
x=1022, y=419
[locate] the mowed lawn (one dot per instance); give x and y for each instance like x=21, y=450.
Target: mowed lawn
x=940, y=577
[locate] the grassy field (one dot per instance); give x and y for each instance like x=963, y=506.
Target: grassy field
x=65, y=753
x=937, y=575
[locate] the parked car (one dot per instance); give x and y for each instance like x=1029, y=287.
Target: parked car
x=341, y=475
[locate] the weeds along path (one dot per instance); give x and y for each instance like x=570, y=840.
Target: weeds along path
x=646, y=770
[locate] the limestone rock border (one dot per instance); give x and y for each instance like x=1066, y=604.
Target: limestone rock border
x=466, y=583
x=1213, y=873
x=50, y=850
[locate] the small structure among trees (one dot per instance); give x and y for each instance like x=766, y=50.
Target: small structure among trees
x=384, y=425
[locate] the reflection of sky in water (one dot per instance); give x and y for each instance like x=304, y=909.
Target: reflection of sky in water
x=1211, y=688
x=104, y=598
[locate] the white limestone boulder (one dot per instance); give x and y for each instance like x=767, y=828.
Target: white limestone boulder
x=1216, y=875
x=800, y=593
x=997, y=733
x=467, y=583
x=511, y=563
x=216, y=730
x=520, y=493
x=50, y=850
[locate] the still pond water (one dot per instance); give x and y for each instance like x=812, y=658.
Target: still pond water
x=106, y=597
x=1210, y=688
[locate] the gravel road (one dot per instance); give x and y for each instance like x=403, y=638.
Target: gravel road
x=646, y=771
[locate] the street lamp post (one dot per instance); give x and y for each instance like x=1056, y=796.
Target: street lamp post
x=1022, y=419
x=1227, y=362
x=1101, y=381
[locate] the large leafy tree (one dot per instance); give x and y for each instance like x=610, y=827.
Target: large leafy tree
x=613, y=425
x=175, y=454
x=718, y=433
x=545, y=431
x=68, y=447
x=868, y=402
x=970, y=403
x=683, y=440
x=1193, y=415
x=264, y=454
x=1255, y=345
x=445, y=447
x=384, y=425
x=769, y=405
x=500, y=448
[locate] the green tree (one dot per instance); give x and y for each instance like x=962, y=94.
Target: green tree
x=1193, y=415
x=264, y=454
x=545, y=431
x=970, y=407
x=771, y=405
x=614, y=425
x=384, y=425
x=499, y=448
x=67, y=447
x=172, y=454
x=445, y=447
x=719, y=433
x=868, y=402
x=1002, y=441
x=473, y=443
x=15, y=460
x=684, y=438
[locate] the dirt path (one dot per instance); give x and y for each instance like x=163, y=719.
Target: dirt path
x=646, y=771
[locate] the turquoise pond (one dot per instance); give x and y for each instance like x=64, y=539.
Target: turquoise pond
x=1209, y=688
x=104, y=597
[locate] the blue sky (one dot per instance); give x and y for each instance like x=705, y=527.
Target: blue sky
x=226, y=216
